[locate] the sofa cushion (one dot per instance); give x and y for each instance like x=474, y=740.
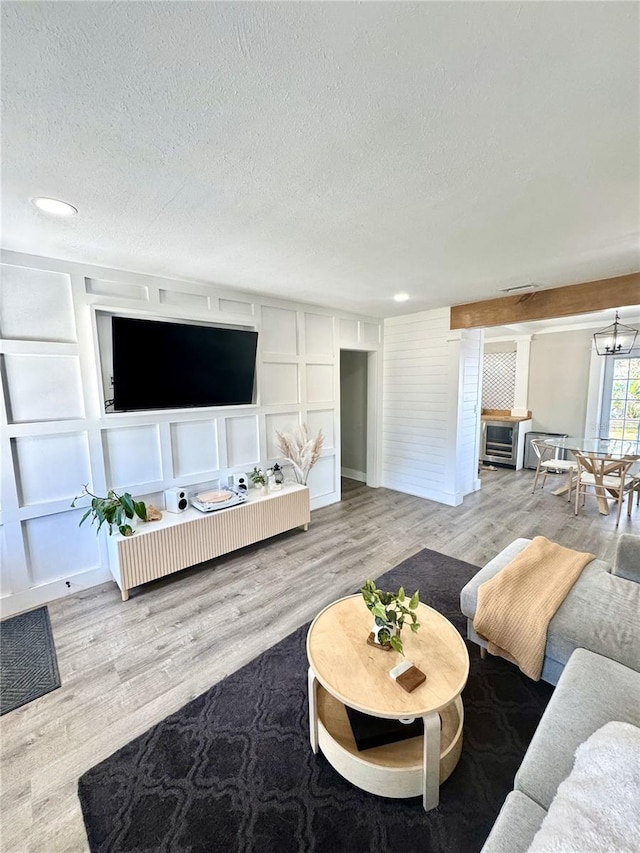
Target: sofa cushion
x=515, y=826
x=596, y=806
x=627, y=564
x=601, y=613
x=592, y=691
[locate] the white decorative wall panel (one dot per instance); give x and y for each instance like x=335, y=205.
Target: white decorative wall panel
x=242, y=441
x=132, y=455
x=348, y=333
x=318, y=334
x=184, y=300
x=279, y=331
x=498, y=380
x=51, y=467
x=57, y=548
x=322, y=477
x=232, y=306
x=322, y=420
x=141, y=452
x=6, y=586
x=120, y=289
x=43, y=388
x=320, y=383
x=36, y=305
x=194, y=446
x=279, y=384
x=370, y=334
x=282, y=423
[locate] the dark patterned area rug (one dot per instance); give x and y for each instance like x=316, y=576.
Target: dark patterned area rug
x=28, y=665
x=233, y=771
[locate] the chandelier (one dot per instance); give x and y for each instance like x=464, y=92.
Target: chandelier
x=616, y=339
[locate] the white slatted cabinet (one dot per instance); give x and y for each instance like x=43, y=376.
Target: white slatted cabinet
x=160, y=548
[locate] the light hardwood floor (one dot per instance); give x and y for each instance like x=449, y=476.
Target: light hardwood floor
x=124, y=666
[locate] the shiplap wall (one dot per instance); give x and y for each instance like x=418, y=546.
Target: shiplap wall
x=56, y=434
x=431, y=412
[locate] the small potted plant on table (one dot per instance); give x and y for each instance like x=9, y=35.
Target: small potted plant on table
x=389, y=609
x=259, y=480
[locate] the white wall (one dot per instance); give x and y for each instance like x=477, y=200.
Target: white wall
x=56, y=435
x=431, y=407
x=559, y=381
x=353, y=414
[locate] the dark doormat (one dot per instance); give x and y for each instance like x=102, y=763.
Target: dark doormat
x=28, y=665
x=233, y=770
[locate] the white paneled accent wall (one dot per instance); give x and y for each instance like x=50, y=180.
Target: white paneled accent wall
x=431, y=410
x=57, y=433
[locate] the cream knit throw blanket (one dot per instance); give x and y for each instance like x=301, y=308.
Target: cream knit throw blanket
x=516, y=605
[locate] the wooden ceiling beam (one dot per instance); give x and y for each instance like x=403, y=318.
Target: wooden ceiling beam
x=547, y=304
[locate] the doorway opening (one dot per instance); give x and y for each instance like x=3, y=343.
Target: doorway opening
x=354, y=414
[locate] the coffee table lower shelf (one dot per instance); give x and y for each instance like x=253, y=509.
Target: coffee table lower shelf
x=394, y=770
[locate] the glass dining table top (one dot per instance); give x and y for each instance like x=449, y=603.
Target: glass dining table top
x=616, y=447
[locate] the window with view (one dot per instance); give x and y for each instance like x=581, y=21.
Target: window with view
x=621, y=398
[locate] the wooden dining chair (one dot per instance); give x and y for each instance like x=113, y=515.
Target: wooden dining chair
x=546, y=463
x=634, y=473
x=608, y=477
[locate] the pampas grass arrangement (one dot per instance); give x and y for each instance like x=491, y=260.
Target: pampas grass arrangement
x=300, y=450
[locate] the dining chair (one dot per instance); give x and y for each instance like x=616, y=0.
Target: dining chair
x=544, y=452
x=606, y=475
x=634, y=473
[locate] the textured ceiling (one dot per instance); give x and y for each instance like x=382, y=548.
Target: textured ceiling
x=328, y=152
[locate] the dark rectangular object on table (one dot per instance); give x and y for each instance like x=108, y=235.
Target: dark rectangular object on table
x=369, y=732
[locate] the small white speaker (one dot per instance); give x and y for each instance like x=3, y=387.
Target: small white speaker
x=175, y=500
x=241, y=482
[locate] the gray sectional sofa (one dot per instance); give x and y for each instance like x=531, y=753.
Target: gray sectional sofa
x=591, y=691
x=601, y=612
x=593, y=656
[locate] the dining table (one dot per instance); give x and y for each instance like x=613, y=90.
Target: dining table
x=616, y=448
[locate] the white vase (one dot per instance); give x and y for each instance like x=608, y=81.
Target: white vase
x=393, y=630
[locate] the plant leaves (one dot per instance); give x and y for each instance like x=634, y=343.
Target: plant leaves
x=140, y=509
x=126, y=501
x=401, y=594
x=126, y=529
x=384, y=637
x=396, y=644
x=414, y=600
x=379, y=611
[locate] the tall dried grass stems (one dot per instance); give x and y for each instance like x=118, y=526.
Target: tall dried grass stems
x=300, y=450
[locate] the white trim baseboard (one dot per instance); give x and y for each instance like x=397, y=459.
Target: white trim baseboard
x=352, y=474
x=27, y=599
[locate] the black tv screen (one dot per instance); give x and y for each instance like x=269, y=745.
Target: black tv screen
x=158, y=365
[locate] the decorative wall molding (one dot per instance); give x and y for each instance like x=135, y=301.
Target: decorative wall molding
x=55, y=379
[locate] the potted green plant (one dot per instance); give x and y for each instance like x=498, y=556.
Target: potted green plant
x=390, y=609
x=114, y=510
x=259, y=479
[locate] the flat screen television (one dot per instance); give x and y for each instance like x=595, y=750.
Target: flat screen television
x=192, y=365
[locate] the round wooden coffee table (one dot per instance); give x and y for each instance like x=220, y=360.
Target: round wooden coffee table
x=345, y=670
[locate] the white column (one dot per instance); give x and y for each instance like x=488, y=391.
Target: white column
x=521, y=391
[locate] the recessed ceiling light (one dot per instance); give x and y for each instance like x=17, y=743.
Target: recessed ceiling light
x=55, y=207
x=401, y=297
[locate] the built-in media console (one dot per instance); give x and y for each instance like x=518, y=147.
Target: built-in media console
x=159, y=548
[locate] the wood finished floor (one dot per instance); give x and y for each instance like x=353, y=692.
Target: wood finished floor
x=124, y=666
